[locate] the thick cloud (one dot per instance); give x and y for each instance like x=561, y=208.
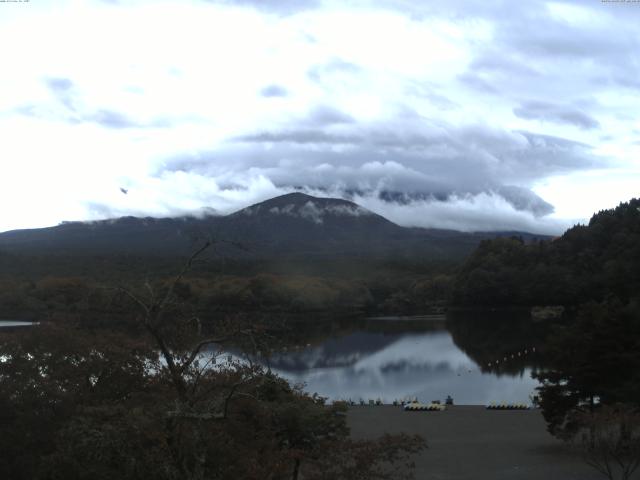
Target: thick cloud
x=407, y=154
x=408, y=163
x=555, y=113
x=481, y=212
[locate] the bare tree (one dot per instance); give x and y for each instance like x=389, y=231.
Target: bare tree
x=178, y=337
x=609, y=440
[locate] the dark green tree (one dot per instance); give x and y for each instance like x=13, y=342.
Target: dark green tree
x=596, y=360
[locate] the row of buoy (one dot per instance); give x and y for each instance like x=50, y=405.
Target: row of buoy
x=508, y=406
x=378, y=402
x=416, y=407
x=496, y=363
x=512, y=356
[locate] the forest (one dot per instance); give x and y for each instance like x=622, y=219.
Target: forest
x=587, y=263
x=591, y=381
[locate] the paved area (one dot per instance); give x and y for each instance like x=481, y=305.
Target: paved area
x=469, y=442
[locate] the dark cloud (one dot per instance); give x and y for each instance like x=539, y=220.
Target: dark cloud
x=536, y=110
x=517, y=155
x=524, y=199
x=274, y=91
x=521, y=199
x=111, y=119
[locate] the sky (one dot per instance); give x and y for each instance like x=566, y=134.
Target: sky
x=471, y=115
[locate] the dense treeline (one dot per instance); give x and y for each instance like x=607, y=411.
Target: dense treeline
x=52, y=296
x=586, y=263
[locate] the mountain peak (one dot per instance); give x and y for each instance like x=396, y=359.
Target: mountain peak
x=306, y=207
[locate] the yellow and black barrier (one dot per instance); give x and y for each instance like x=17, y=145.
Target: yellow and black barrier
x=421, y=407
x=508, y=406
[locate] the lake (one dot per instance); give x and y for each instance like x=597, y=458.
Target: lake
x=475, y=358
x=390, y=359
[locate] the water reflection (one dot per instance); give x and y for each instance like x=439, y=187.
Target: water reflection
x=14, y=323
x=379, y=361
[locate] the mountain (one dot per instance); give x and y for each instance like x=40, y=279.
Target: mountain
x=289, y=225
x=301, y=223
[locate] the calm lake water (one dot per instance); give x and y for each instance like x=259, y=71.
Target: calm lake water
x=396, y=360
x=14, y=323
x=475, y=360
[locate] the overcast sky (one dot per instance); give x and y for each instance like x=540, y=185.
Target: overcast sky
x=473, y=115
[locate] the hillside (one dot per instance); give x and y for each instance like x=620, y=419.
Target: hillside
x=588, y=262
x=290, y=225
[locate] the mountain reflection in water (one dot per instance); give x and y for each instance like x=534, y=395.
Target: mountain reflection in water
x=392, y=365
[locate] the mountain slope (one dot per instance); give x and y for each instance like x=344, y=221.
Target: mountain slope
x=587, y=263
x=291, y=225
